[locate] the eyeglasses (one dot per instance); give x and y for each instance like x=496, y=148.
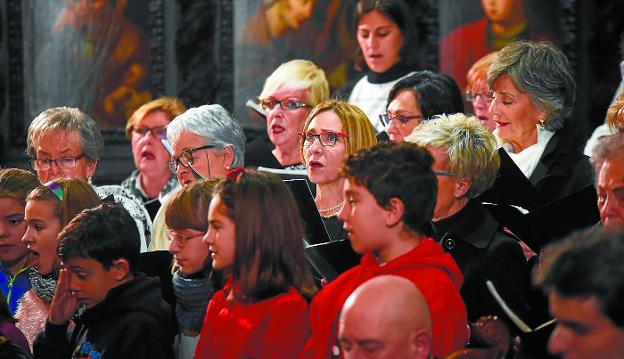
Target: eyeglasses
x=63, y=162
x=158, y=132
x=185, y=158
x=178, y=238
x=286, y=104
x=327, y=138
x=386, y=118
x=442, y=173
x=472, y=97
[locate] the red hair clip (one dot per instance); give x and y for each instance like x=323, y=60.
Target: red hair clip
x=234, y=174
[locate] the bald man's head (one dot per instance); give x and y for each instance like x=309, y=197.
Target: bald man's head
x=386, y=317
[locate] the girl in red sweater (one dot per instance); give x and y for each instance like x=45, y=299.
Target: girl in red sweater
x=255, y=237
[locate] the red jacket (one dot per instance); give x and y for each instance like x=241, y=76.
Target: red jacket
x=272, y=328
x=434, y=272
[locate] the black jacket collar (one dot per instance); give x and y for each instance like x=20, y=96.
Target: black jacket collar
x=472, y=224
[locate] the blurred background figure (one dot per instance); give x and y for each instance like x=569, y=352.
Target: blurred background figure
x=608, y=161
x=582, y=276
x=287, y=98
x=534, y=91
x=503, y=22
x=146, y=128
x=333, y=130
x=387, y=43
x=419, y=97
x=64, y=142
x=15, y=185
x=387, y=316
x=186, y=217
x=478, y=91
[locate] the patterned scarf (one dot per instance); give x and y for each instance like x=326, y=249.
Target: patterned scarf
x=192, y=296
x=43, y=285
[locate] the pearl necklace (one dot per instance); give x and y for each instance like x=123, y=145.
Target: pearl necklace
x=331, y=209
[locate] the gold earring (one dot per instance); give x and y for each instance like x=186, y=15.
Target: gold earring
x=542, y=122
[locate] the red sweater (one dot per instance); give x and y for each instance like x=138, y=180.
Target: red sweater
x=272, y=328
x=434, y=272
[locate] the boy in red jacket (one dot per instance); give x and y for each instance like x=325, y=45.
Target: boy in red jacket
x=390, y=194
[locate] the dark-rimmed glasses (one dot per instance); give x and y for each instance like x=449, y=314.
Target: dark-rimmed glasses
x=443, y=173
x=327, y=138
x=65, y=162
x=179, y=239
x=472, y=97
x=386, y=118
x=185, y=158
x=286, y=104
x=158, y=132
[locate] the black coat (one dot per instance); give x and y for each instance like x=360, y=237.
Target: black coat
x=563, y=168
x=131, y=322
x=484, y=251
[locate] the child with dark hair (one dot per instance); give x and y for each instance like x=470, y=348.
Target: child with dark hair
x=255, y=235
x=122, y=314
x=390, y=193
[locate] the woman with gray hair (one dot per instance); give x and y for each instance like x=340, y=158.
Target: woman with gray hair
x=206, y=142
x=466, y=162
x=64, y=142
x=534, y=90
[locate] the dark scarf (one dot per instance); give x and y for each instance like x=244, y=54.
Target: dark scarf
x=398, y=70
x=43, y=285
x=192, y=296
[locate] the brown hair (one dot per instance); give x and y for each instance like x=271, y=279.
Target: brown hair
x=172, y=107
x=269, y=257
x=188, y=208
x=354, y=122
x=77, y=195
x=17, y=184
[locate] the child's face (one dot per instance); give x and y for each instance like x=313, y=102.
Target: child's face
x=189, y=250
x=41, y=232
x=363, y=218
x=89, y=281
x=12, y=228
x=221, y=235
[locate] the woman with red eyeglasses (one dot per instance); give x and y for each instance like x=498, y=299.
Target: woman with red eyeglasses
x=332, y=131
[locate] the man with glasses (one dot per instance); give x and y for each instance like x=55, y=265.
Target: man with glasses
x=287, y=97
x=417, y=98
x=206, y=142
x=466, y=162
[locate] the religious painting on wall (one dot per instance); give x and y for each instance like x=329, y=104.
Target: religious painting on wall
x=268, y=33
x=94, y=55
x=471, y=29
